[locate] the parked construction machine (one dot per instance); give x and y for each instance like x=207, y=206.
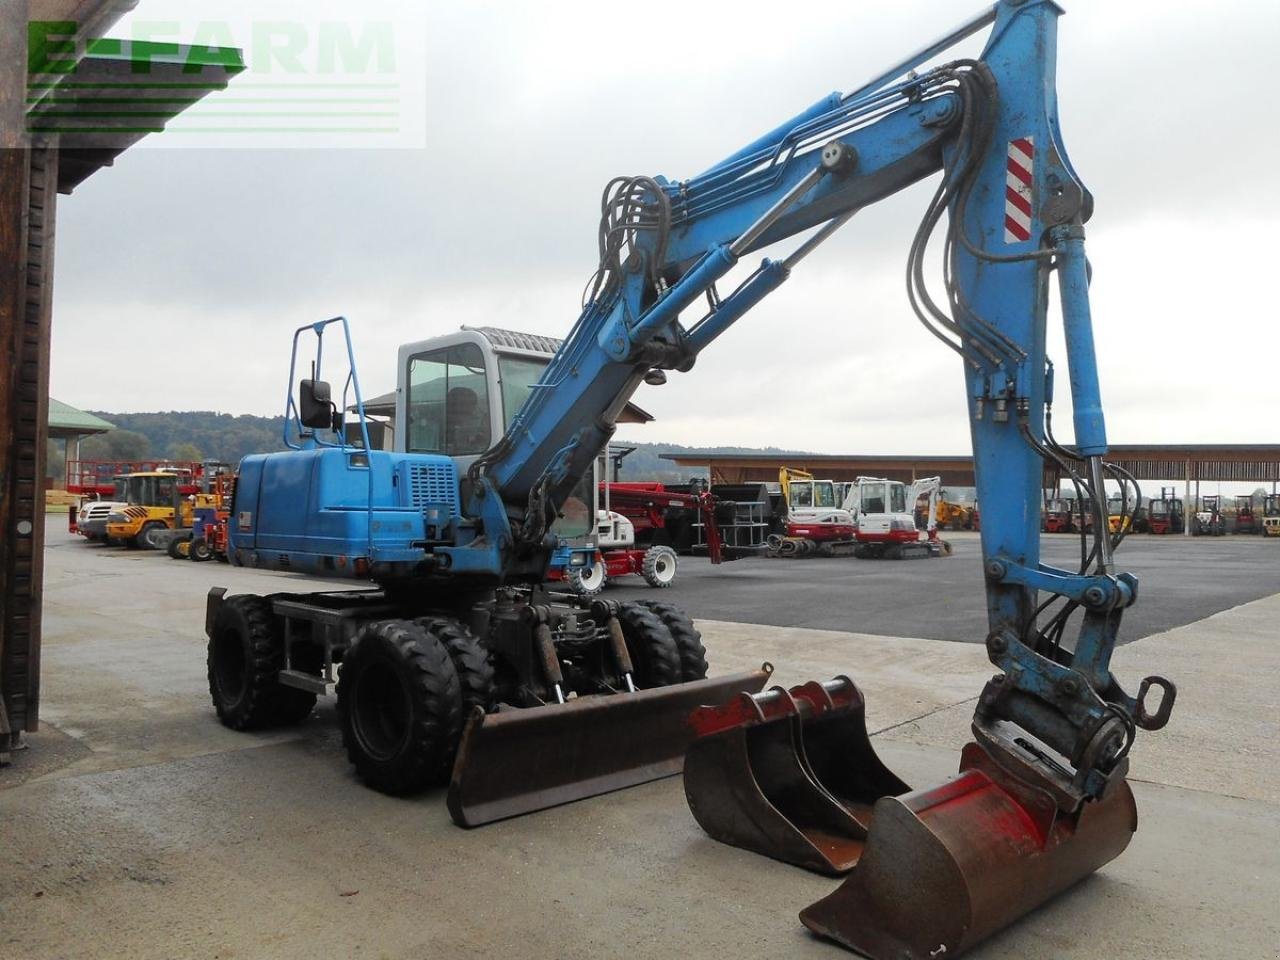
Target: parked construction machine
x=1246, y=521
x=1208, y=520
x=1059, y=515
x=153, y=503
x=455, y=527
x=1271, y=515
x=884, y=512
x=1166, y=515
x=952, y=515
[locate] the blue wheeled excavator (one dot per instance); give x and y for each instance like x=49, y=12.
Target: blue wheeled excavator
x=458, y=664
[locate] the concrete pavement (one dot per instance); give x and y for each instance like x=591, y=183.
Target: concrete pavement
x=138, y=827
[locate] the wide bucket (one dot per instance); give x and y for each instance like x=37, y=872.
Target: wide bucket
x=788, y=774
x=517, y=761
x=946, y=867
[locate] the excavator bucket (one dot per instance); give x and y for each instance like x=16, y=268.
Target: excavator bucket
x=946, y=867
x=789, y=774
x=517, y=761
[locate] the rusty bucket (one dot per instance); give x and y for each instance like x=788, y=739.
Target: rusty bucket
x=946, y=867
x=788, y=774
x=520, y=760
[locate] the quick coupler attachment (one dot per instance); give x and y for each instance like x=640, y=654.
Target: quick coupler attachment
x=790, y=774
x=946, y=867
x=519, y=760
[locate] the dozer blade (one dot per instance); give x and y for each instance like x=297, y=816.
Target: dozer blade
x=946, y=867
x=750, y=783
x=520, y=760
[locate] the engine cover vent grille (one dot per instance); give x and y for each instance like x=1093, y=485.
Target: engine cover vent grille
x=433, y=483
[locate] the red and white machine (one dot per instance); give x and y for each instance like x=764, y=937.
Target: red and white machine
x=884, y=512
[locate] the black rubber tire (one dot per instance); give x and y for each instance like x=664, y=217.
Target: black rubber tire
x=173, y=551
x=693, y=655
x=200, y=551
x=146, y=536
x=655, y=658
x=470, y=661
x=400, y=705
x=577, y=583
x=245, y=654
x=659, y=567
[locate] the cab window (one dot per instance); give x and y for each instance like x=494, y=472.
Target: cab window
x=897, y=498
x=163, y=491
x=448, y=402
x=873, y=498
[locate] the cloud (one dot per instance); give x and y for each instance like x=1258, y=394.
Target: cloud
x=182, y=273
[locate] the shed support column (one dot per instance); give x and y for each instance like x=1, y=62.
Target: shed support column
x=73, y=448
x=1188, y=507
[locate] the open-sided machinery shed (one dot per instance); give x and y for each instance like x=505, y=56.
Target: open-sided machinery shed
x=70, y=103
x=1185, y=464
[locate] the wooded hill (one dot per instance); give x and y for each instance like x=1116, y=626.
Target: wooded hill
x=207, y=435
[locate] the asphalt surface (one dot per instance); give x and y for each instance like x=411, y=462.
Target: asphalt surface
x=1181, y=580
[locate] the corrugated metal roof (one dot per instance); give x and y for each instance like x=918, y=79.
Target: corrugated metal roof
x=516, y=340
x=64, y=419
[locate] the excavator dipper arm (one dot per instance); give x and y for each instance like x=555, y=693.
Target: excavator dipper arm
x=1008, y=213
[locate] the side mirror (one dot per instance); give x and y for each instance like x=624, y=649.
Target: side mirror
x=315, y=408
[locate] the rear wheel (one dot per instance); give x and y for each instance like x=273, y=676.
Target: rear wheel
x=246, y=653
x=400, y=705
x=659, y=566
x=693, y=655
x=654, y=654
x=200, y=550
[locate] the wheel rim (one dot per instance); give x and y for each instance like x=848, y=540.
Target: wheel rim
x=593, y=578
x=229, y=667
x=664, y=568
x=380, y=711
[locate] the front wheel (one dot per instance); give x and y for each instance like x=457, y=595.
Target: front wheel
x=149, y=536
x=693, y=655
x=400, y=705
x=659, y=566
x=655, y=658
x=199, y=550
x=586, y=581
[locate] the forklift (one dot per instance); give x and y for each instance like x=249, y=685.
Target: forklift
x=1245, y=520
x=1271, y=515
x=1209, y=521
x=1166, y=514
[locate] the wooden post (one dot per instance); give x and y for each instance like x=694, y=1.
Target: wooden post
x=13, y=259
x=28, y=187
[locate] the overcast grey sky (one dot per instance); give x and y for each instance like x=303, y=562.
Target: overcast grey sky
x=182, y=272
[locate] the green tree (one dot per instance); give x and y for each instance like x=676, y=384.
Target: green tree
x=116, y=445
x=183, y=451
x=55, y=460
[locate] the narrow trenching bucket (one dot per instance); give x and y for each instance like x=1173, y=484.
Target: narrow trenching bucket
x=517, y=761
x=788, y=774
x=946, y=867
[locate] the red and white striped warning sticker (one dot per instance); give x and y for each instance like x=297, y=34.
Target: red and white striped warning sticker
x=1017, y=190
